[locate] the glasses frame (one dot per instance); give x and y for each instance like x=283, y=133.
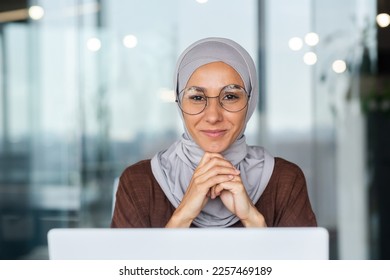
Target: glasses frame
x=207, y=98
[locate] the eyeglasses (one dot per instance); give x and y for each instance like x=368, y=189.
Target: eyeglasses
x=193, y=100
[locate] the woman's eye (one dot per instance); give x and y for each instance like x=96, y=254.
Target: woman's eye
x=197, y=98
x=231, y=96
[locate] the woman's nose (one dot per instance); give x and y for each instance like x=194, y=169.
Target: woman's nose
x=213, y=112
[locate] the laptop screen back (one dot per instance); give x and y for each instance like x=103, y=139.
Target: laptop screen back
x=189, y=244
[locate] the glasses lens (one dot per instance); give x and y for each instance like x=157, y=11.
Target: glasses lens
x=233, y=98
x=193, y=100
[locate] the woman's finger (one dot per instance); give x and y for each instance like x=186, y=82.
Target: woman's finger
x=207, y=156
x=217, y=166
x=213, y=172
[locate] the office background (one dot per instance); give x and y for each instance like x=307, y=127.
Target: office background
x=86, y=90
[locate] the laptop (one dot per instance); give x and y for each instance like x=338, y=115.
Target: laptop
x=189, y=244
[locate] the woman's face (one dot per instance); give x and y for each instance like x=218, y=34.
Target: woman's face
x=215, y=129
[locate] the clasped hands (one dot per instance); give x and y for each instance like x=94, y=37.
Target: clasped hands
x=216, y=177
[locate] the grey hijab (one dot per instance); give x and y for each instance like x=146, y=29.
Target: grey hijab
x=173, y=168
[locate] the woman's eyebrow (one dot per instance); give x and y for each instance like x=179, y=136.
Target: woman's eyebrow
x=197, y=88
x=221, y=88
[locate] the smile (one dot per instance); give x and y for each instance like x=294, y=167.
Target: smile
x=214, y=133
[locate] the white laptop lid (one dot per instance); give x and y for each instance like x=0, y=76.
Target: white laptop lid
x=189, y=244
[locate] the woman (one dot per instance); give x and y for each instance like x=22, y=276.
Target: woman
x=211, y=177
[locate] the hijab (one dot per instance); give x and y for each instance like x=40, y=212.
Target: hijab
x=173, y=168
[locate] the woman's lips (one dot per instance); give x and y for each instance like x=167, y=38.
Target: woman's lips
x=214, y=133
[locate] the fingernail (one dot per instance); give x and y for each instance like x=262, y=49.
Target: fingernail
x=231, y=177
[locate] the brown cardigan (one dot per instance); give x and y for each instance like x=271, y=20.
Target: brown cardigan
x=140, y=202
